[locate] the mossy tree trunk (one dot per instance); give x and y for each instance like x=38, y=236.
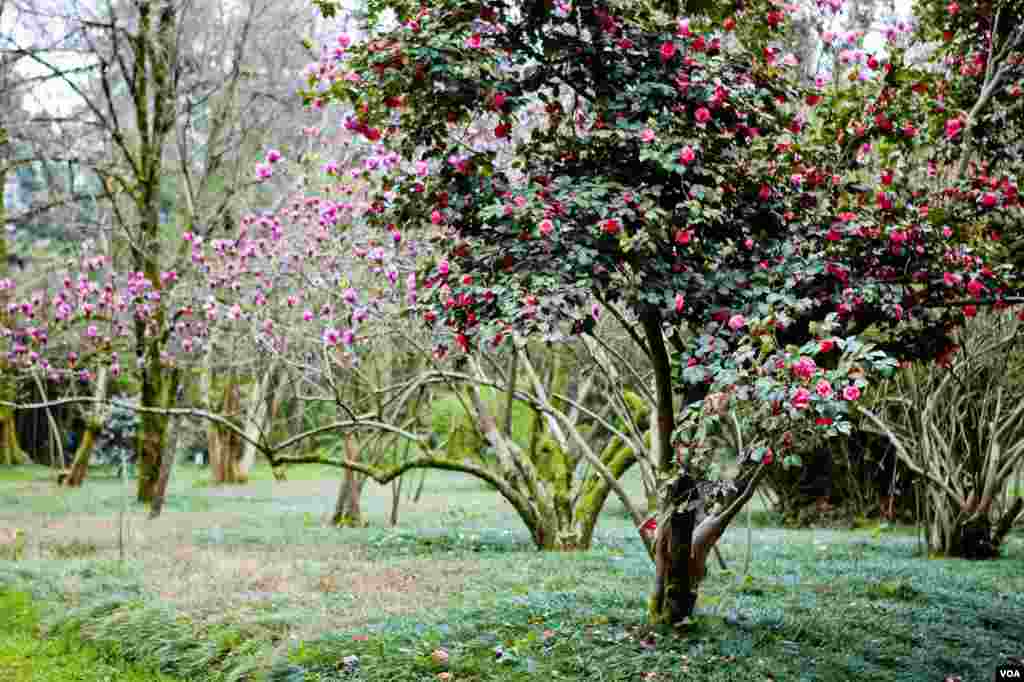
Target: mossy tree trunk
x=94, y=423
x=348, y=507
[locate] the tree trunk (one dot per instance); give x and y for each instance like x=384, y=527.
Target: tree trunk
x=676, y=580
x=257, y=421
x=94, y=423
x=159, y=387
x=166, y=465
x=396, y=499
x=419, y=488
x=80, y=466
x=224, y=444
x=347, y=509
x=10, y=452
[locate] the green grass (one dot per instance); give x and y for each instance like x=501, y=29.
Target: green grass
x=252, y=586
x=26, y=657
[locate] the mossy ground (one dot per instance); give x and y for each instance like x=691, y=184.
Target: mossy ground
x=246, y=583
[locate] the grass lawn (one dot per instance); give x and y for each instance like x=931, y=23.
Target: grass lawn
x=245, y=583
x=25, y=657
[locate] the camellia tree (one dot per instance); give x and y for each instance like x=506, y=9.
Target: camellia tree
x=683, y=172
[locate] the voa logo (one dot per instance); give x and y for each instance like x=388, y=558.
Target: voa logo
x=1009, y=674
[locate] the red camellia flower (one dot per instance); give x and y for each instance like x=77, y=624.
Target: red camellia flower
x=970, y=310
x=668, y=50
x=501, y=130
x=801, y=399
x=702, y=115
x=768, y=457
x=611, y=226
x=765, y=193
x=729, y=24
x=989, y=199
x=826, y=345
x=953, y=127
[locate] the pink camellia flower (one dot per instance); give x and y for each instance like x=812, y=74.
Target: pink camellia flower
x=947, y=231
x=804, y=367
x=545, y=227
x=668, y=50
x=647, y=135
x=951, y=279
x=953, y=127
x=823, y=388
x=683, y=28
x=307, y=315
x=851, y=393
x=737, y=322
x=687, y=155
x=765, y=193
x=748, y=243
x=91, y=331
x=473, y=42
x=989, y=199
x=263, y=171
x=680, y=303
x=975, y=288
x=422, y=168
x=801, y=398
x=953, y=8
x=436, y=217
x=442, y=267
x=702, y=115
x=273, y=156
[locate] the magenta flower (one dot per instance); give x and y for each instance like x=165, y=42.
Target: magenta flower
x=975, y=288
x=545, y=227
x=331, y=336
x=953, y=127
x=801, y=399
x=273, y=156
x=348, y=337
x=804, y=367
x=307, y=315
x=851, y=393
x=668, y=50
x=647, y=135
x=680, y=303
x=737, y=322
x=473, y=42
x=687, y=155
x=263, y=171
x=823, y=388
x=702, y=115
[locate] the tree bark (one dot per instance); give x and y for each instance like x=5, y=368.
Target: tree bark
x=348, y=509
